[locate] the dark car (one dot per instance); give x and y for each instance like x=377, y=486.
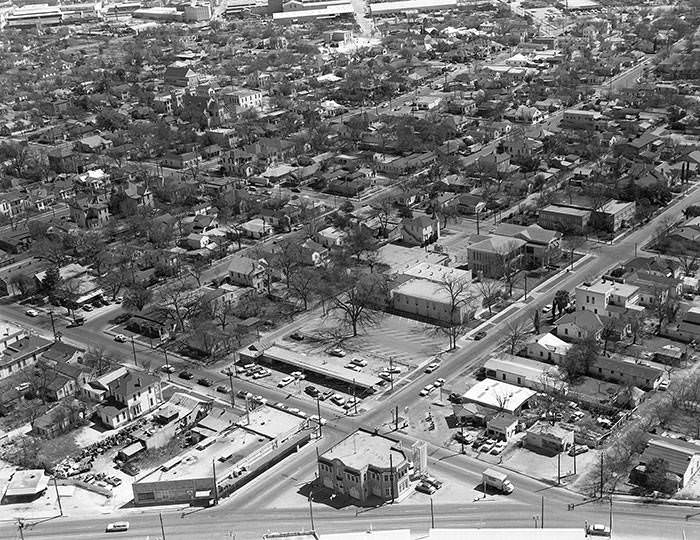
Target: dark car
x=131, y=470
x=222, y=388
x=454, y=397
x=297, y=336
x=481, y=334
x=185, y=375
x=426, y=488
x=577, y=450
x=325, y=395
x=204, y=381
x=312, y=391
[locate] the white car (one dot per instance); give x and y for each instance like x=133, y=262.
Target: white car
x=167, y=368
x=298, y=375
x=117, y=526
x=439, y=382
x=31, y=313
x=431, y=367
x=361, y=362
x=337, y=352
x=120, y=338
x=384, y=375
x=338, y=400
x=598, y=530
x=547, y=308
x=286, y=381
x=426, y=390
x=663, y=386
x=315, y=418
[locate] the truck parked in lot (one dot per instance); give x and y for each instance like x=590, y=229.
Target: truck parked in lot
x=497, y=480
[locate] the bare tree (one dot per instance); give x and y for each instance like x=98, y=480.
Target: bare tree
x=516, y=334
x=175, y=301
x=357, y=305
x=509, y=260
x=490, y=291
x=460, y=302
x=536, y=320
x=382, y=211
x=302, y=285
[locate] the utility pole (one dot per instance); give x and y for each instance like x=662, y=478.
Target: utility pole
x=526, y=287
x=574, y=457
x=311, y=509
x=320, y=423
x=216, y=488
x=53, y=326
x=354, y=400
x=58, y=496
x=162, y=529
x=432, y=514
x=559, y=468
x=133, y=350
x=610, y=517
x=542, y=514
x=391, y=372
x=391, y=478
x=396, y=417
x=20, y=528
x=230, y=382
x=601, y=475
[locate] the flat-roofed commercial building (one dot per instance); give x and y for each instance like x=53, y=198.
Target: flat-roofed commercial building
x=366, y=467
x=221, y=463
x=429, y=300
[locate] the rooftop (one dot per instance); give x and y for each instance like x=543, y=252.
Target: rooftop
x=437, y=272
x=27, y=483
x=545, y=428
x=531, y=370
x=362, y=449
x=498, y=395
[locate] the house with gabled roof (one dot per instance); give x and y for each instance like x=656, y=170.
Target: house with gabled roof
x=579, y=324
x=547, y=347
x=682, y=458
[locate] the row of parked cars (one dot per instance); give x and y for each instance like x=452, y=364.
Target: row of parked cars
x=101, y=479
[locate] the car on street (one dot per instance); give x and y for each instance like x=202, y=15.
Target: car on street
x=439, y=382
x=598, y=529
x=426, y=488
x=31, y=313
x=315, y=418
x=203, y=381
x=298, y=375
x=87, y=307
x=167, y=368
x=481, y=334
x=120, y=338
x=222, y=388
x=297, y=336
x=325, y=395
x=395, y=370
x=284, y=382
x=464, y=438
x=384, y=375
x=117, y=526
x=431, y=367
x=312, y=391
x=663, y=386
x=426, y=390
x=431, y=480
x=244, y=394
x=547, y=308
x=361, y=362
x=186, y=375
x=337, y=351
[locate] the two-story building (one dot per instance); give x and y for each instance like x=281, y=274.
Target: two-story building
x=547, y=348
x=246, y=272
x=367, y=468
x=543, y=246
x=564, y=218
x=492, y=257
x=420, y=230
x=125, y=395
x=608, y=298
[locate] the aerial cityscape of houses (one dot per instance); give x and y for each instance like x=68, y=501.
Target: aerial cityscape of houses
x=323, y=256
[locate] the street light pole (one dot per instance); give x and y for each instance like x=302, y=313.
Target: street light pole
x=311, y=508
x=320, y=422
x=133, y=349
x=230, y=381
x=53, y=325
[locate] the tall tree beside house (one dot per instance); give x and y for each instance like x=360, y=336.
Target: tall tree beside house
x=459, y=298
x=302, y=285
x=359, y=306
x=52, y=280
x=175, y=301
x=536, y=320
x=22, y=282
x=561, y=300
x=490, y=291
x=516, y=333
x=136, y=297
x=509, y=265
x=113, y=281
x=579, y=358
x=609, y=332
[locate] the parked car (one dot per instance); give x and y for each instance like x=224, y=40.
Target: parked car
x=325, y=395
x=287, y=380
x=454, y=397
x=481, y=334
x=186, y=375
x=464, y=438
x=262, y=373
x=23, y=386
x=663, y=386
x=426, y=488
x=203, y=381
x=120, y=338
x=352, y=366
x=87, y=307
x=167, y=368
x=312, y=391
x=337, y=352
x=338, y=400
x=547, y=308
x=361, y=362
x=439, y=382
x=500, y=446
x=384, y=375
x=432, y=367
x=222, y=388
x=31, y=313
x=297, y=336
x=298, y=375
